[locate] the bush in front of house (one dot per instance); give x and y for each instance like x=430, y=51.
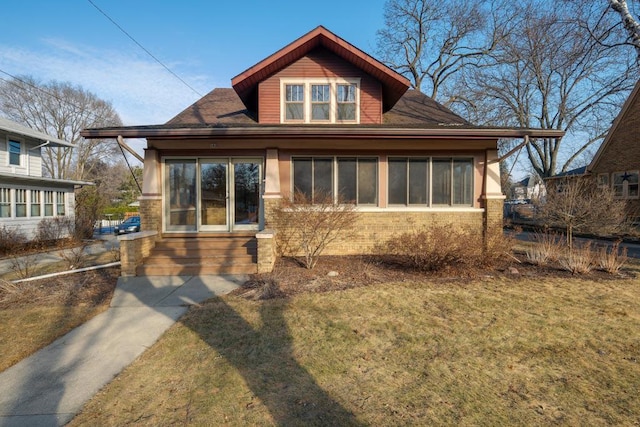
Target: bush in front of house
x=54, y=229
x=307, y=225
x=11, y=240
x=444, y=246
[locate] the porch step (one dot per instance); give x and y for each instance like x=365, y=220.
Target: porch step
x=223, y=254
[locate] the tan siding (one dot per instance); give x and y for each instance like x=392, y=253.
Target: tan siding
x=320, y=64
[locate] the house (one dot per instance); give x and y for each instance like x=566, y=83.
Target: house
x=529, y=188
x=317, y=115
x=616, y=164
x=26, y=196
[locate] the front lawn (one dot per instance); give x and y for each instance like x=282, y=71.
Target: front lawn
x=34, y=314
x=496, y=350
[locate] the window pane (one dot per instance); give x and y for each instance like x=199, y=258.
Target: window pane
x=418, y=188
x=462, y=182
x=618, y=184
x=322, y=177
x=60, y=203
x=441, y=181
x=21, y=203
x=295, y=93
x=632, y=179
x=367, y=181
x=48, y=203
x=346, y=112
x=398, y=181
x=14, y=153
x=347, y=179
x=320, y=112
x=5, y=203
x=295, y=111
x=302, y=176
x=347, y=93
x=320, y=93
x=182, y=192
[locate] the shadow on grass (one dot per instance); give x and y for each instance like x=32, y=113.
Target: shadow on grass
x=264, y=358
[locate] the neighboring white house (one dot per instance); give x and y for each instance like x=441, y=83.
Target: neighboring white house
x=26, y=197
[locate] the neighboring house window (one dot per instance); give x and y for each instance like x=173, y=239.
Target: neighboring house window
x=603, y=180
x=21, y=203
x=294, y=102
x=356, y=180
x=321, y=101
x=60, y=203
x=35, y=202
x=15, y=149
x=625, y=184
x=5, y=203
x=447, y=181
x=48, y=203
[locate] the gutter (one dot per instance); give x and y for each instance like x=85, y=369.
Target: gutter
x=319, y=132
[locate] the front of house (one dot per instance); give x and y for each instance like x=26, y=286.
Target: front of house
x=26, y=196
x=318, y=116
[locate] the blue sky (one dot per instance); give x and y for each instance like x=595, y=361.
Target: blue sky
x=206, y=43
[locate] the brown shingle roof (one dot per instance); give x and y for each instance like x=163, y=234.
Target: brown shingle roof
x=223, y=106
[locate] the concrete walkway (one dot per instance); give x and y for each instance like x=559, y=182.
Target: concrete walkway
x=51, y=386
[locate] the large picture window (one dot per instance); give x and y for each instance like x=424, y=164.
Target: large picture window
x=415, y=181
x=349, y=179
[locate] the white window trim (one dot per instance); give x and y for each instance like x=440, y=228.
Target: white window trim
x=625, y=188
x=333, y=99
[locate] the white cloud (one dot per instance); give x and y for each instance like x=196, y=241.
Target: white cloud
x=140, y=89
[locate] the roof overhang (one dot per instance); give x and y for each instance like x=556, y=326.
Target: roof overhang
x=20, y=130
x=393, y=84
x=320, y=132
x=39, y=180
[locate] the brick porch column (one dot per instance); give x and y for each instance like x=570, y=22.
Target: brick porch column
x=492, y=196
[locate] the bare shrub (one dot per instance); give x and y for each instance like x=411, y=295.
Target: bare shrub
x=612, y=260
x=495, y=248
x=547, y=248
x=114, y=253
x=74, y=257
x=432, y=248
x=52, y=229
x=578, y=260
x=11, y=240
x=23, y=266
x=308, y=226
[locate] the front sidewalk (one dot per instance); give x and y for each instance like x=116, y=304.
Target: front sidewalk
x=51, y=386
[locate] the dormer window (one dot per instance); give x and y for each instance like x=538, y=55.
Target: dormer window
x=320, y=101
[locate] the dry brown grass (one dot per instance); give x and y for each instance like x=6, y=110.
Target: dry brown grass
x=34, y=314
x=498, y=351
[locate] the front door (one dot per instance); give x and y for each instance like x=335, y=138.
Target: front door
x=213, y=194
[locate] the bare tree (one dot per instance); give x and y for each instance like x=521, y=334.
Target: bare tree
x=629, y=22
x=430, y=41
x=551, y=73
x=61, y=110
x=577, y=204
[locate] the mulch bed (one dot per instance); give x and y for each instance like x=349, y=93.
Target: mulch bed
x=90, y=288
x=332, y=273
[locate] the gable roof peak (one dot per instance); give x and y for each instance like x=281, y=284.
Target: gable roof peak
x=394, y=85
